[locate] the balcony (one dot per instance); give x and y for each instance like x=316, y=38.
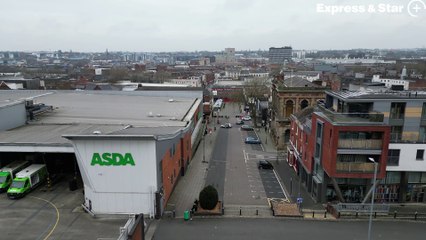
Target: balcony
x=360, y=143
x=337, y=117
x=355, y=167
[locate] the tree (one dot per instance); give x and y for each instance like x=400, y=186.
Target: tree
x=208, y=197
x=254, y=90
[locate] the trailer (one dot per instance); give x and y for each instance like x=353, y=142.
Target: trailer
x=26, y=180
x=8, y=172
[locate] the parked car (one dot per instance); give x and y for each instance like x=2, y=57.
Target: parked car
x=252, y=140
x=264, y=164
x=239, y=122
x=226, y=125
x=246, y=118
x=246, y=128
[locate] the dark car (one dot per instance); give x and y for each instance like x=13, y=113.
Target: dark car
x=246, y=128
x=239, y=122
x=252, y=140
x=264, y=164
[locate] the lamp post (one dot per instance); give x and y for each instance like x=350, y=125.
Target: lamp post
x=372, y=197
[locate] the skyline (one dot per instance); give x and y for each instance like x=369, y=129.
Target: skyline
x=189, y=25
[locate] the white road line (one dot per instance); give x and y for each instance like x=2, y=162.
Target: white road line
x=245, y=156
x=278, y=179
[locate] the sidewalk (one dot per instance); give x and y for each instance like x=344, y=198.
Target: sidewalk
x=190, y=185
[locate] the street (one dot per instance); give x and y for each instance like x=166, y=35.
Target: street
x=247, y=228
x=233, y=166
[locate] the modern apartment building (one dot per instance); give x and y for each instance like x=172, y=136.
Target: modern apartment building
x=351, y=127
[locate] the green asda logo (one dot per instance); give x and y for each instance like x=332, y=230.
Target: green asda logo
x=112, y=159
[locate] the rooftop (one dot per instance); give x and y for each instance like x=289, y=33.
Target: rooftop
x=378, y=94
x=109, y=107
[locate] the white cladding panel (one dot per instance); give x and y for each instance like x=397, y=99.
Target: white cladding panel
x=407, y=158
x=118, y=189
x=119, y=203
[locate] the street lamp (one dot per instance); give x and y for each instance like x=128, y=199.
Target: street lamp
x=372, y=197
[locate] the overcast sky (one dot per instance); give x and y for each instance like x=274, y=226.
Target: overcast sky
x=189, y=25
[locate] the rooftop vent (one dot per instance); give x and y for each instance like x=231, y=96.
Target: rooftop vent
x=171, y=100
x=97, y=132
x=150, y=114
x=158, y=115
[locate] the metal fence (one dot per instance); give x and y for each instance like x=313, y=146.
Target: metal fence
x=124, y=231
x=359, y=207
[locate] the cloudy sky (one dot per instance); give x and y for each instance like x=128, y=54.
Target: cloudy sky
x=189, y=25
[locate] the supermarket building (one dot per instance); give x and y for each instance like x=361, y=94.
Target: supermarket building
x=130, y=147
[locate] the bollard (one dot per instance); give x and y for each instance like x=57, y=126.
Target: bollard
x=49, y=185
x=338, y=215
x=394, y=214
x=356, y=215
x=375, y=214
x=415, y=216
x=257, y=212
x=240, y=211
x=174, y=213
x=325, y=214
x=273, y=212
x=313, y=214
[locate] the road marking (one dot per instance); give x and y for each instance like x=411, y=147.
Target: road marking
x=245, y=156
x=57, y=216
x=278, y=180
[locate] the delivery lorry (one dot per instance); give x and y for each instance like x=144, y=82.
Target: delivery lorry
x=26, y=180
x=8, y=172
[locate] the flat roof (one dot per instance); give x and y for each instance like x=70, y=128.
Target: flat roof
x=108, y=107
x=378, y=95
x=96, y=113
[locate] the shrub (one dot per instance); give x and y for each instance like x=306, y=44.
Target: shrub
x=208, y=197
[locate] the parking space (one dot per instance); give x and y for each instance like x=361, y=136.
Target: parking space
x=263, y=181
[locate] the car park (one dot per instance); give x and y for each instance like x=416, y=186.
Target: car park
x=226, y=125
x=252, y=140
x=246, y=118
x=239, y=122
x=264, y=164
x=246, y=128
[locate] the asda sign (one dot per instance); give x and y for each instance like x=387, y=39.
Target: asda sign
x=112, y=159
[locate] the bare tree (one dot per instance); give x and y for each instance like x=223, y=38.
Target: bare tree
x=254, y=90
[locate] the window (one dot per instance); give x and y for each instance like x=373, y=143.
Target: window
x=319, y=130
x=397, y=110
x=424, y=111
x=422, y=134
x=393, y=157
x=303, y=104
x=396, y=133
x=288, y=108
x=420, y=153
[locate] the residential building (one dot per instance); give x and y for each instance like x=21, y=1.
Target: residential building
x=331, y=152
x=405, y=113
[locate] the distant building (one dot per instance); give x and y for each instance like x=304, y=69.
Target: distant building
x=397, y=84
x=227, y=57
x=280, y=55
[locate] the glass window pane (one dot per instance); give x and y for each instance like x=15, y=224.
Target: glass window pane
x=414, y=177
